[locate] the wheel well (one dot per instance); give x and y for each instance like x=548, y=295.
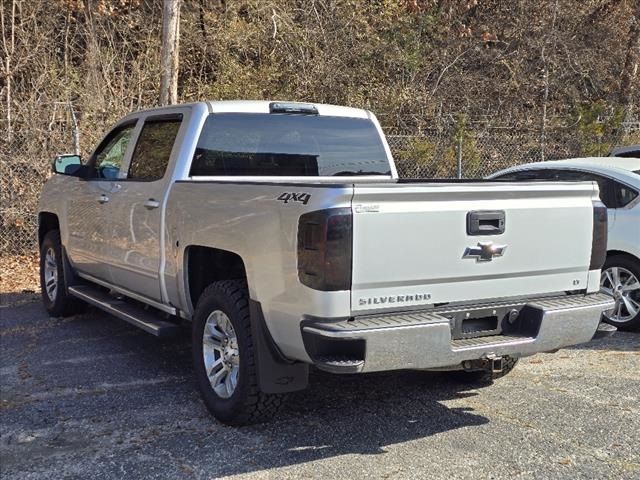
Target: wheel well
x=612, y=253
x=46, y=222
x=206, y=265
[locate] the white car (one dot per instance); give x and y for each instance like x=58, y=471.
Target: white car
x=619, y=182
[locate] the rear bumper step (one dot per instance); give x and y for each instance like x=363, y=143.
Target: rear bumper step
x=604, y=330
x=423, y=340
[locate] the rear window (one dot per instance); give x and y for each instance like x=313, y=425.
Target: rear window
x=245, y=144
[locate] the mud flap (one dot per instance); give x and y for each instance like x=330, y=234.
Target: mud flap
x=276, y=374
x=70, y=278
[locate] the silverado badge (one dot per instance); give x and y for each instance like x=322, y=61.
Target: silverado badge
x=484, y=252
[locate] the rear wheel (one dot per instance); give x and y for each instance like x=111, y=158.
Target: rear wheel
x=224, y=357
x=621, y=279
x=53, y=284
x=485, y=377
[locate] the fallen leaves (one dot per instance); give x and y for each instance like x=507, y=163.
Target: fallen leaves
x=19, y=274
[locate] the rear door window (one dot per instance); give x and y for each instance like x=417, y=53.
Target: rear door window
x=242, y=144
x=605, y=185
x=623, y=195
x=153, y=149
x=529, y=175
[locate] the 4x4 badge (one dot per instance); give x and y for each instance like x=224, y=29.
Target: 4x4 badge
x=484, y=252
x=287, y=197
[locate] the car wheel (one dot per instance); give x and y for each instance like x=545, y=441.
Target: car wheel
x=485, y=377
x=53, y=285
x=621, y=279
x=224, y=358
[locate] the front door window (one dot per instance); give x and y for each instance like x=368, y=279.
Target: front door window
x=108, y=158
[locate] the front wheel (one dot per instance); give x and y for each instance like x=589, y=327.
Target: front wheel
x=621, y=279
x=53, y=284
x=224, y=357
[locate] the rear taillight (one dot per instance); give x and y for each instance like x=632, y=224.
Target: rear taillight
x=599, y=238
x=324, y=249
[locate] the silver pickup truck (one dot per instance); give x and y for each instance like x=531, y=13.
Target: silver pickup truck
x=282, y=233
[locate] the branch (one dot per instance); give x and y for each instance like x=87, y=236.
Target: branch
x=444, y=70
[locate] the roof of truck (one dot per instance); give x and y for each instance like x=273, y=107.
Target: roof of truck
x=262, y=106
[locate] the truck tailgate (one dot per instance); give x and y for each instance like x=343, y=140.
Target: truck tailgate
x=412, y=245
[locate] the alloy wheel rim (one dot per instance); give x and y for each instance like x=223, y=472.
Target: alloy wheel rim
x=51, y=274
x=624, y=287
x=221, y=354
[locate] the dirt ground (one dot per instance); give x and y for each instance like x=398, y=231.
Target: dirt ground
x=19, y=274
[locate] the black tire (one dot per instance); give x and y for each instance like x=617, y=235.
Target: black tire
x=485, y=377
x=62, y=304
x=247, y=404
x=633, y=265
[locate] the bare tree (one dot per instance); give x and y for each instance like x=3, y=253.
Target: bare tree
x=545, y=95
x=632, y=61
x=170, y=52
x=9, y=46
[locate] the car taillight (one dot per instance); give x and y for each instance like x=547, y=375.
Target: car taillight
x=599, y=238
x=324, y=249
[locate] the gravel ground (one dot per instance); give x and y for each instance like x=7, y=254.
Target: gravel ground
x=92, y=397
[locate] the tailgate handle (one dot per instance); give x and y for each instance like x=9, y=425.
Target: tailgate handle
x=485, y=222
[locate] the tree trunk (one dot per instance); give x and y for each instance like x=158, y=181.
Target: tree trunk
x=169, y=54
x=630, y=70
x=9, y=45
x=545, y=77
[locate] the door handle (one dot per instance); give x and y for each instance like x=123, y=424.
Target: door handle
x=151, y=204
x=102, y=199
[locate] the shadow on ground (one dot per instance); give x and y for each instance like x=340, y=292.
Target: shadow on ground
x=620, y=341
x=91, y=395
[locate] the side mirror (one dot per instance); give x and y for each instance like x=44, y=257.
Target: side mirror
x=68, y=164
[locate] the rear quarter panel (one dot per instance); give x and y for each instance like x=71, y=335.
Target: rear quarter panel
x=249, y=220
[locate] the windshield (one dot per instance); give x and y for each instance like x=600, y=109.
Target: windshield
x=251, y=144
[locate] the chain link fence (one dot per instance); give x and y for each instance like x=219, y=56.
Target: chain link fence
x=25, y=164
x=446, y=151
x=477, y=151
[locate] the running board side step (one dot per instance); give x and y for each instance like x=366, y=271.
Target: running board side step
x=129, y=312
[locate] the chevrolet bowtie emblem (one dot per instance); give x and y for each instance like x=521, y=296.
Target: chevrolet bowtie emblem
x=484, y=252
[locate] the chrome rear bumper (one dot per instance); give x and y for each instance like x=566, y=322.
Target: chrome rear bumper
x=423, y=340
